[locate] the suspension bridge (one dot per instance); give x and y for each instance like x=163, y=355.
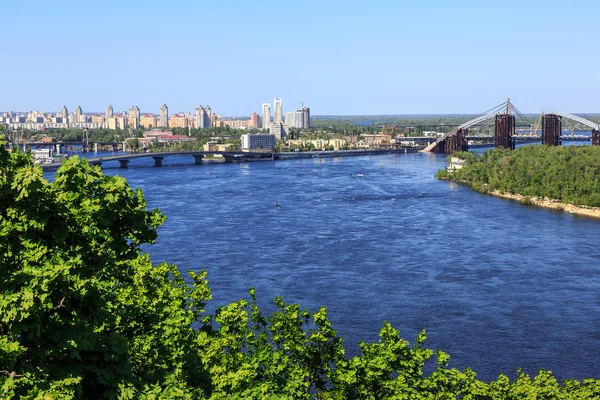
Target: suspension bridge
x=504, y=117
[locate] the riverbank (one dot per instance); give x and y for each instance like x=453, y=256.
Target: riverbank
x=593, y=212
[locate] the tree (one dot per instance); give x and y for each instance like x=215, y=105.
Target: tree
x=73, y=322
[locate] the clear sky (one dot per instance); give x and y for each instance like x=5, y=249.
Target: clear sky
x=339, y=57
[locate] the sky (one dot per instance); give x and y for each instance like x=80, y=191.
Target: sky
x=347, y=57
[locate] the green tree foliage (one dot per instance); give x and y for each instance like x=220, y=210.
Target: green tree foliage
x=85, y=314
x=569, y=174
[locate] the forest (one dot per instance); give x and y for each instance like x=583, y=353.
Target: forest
x=569, y=174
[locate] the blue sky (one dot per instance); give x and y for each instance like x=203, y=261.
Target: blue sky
x=339, y=57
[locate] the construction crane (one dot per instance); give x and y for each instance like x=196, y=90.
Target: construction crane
x=537, y=125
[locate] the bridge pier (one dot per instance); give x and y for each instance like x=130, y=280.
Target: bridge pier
x=595, y=137
x=123, y=163
x=198, y=158
x=95, y=147
x=158, y=161
x=57, y=149
x=504, y=130
x=228, y=159
x=551, y=130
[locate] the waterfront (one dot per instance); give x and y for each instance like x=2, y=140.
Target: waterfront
x=498, y=285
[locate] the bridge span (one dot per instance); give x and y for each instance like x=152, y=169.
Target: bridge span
x=231, y=156
x=505, y=130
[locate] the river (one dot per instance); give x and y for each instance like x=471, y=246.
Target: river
x=497, y=284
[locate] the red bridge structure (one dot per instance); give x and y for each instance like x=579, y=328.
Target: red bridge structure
x=504, y=118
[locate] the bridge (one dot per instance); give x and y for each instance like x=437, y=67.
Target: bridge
x=504, y=119
x=490, y=138
x=86, y=146
x=230, y=156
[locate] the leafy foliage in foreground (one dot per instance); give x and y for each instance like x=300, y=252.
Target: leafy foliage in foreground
x=85, y=314
x=570, y=174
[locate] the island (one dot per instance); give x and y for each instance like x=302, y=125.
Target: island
x=562, y=178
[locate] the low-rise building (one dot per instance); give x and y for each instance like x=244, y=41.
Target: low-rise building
x=253, y=142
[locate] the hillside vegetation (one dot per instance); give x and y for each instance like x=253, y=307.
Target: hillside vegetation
x=85, y=314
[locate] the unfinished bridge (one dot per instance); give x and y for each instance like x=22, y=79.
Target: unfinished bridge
x=504, y=119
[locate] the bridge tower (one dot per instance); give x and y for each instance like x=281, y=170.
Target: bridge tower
x=453, y=143
x=595, y=137
x=504, y=129
x=551, y=129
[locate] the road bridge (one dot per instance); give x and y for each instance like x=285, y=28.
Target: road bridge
x=231, y=156
x=85, y=146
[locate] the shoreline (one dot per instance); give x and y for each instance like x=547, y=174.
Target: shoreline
x=593, y=212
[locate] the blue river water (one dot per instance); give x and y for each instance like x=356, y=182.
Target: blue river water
x=497, y=284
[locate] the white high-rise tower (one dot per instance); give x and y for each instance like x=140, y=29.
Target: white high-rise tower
x=277, y=110
x=266, y=115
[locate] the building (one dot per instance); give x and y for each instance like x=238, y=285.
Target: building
x=163, y=118
x=253, y=142
x=266, y=115
x=134, y=117
x=122, y=121
x=64, y=114
x=214, y=146
x=254, y=121
x=277, y=110
x=79, y=115
x=290, y=119
x=148, y=121
x=203, y=116
x=376, y=140
x=305, y=117
x=177, y=121
x=278, y=130
x=112, y=123
x=108, y=113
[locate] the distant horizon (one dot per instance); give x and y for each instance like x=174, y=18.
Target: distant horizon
x=317, y=116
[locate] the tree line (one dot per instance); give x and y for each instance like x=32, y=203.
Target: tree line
x=570, y=174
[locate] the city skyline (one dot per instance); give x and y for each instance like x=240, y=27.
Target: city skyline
x=348, y=58
x=201, y=118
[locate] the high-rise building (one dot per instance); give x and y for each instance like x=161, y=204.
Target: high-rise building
x=208, y=117
x=64, y=115
x=266, y=115
x=108, y=113
x=163, y=118
x=134, y=117
x=277, y=110
x=203, y=117
x=78, y=114
x=306, y=117
x=290, y=119
x=254, y=121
